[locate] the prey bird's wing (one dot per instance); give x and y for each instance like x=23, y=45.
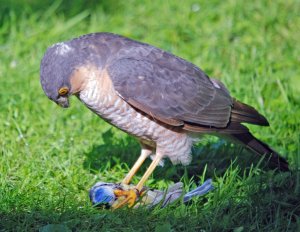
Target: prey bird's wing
x=170, y=89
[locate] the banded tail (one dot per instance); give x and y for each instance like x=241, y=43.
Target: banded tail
x=244, y=113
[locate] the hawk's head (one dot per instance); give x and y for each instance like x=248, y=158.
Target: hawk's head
x=59, y=64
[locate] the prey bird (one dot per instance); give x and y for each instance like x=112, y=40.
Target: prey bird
x=162, y=100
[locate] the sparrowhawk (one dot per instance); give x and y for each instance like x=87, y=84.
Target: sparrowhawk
x=164, y=101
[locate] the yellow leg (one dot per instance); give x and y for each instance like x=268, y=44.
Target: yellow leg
x=144, y=154
x=149, y=171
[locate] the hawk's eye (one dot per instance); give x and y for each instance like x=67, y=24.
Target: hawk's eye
x=63, y=91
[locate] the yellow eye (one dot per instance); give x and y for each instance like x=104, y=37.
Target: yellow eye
x=63, y=91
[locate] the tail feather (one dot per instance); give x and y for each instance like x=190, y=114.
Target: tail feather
x=262, y=148
x=242, y=112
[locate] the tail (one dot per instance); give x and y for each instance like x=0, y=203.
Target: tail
x=243, y=113
x=261, y=148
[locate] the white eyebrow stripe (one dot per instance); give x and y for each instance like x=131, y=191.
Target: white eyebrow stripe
x=62, y=48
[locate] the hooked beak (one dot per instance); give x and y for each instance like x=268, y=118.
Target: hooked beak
x=63, y=102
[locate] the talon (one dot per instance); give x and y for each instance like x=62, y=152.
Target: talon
x=130, y=198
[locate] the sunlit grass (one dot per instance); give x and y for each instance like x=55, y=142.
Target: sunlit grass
x=50, y=157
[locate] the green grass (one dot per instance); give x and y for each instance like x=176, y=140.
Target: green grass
x=50, y=157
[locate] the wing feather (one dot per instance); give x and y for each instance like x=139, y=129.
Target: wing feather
x=169, y=88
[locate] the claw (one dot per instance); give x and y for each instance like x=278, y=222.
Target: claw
x=127, y=197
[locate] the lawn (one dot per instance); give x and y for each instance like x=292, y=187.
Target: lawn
x=50, y=157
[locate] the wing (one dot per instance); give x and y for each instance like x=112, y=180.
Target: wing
x=170, y=89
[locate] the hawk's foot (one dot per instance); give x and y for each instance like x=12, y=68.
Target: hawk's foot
x=125, y=197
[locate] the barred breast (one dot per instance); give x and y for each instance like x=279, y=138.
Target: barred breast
x=99, y=96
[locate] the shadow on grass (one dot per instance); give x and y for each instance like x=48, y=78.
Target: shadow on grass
x=217, y=155
x=70, y=220
x=112, y=152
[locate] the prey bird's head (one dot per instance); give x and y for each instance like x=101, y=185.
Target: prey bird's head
x=59, y=66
